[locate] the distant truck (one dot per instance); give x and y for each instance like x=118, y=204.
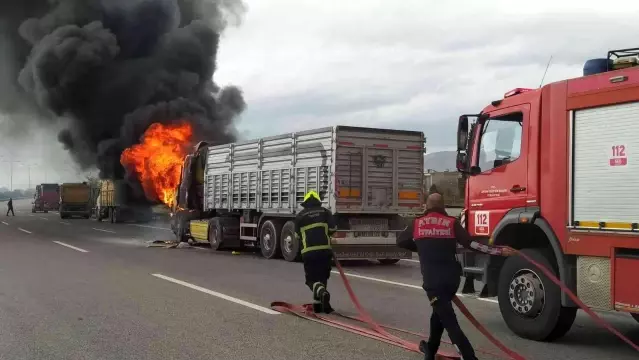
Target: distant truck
x=113, y=205
x=46, y=197
x=247, y=194
x=75, y=200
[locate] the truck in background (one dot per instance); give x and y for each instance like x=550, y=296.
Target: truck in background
x=247, y=194
x=46, y=197
x=75, y=200
x=112, y=203
x=551, y=172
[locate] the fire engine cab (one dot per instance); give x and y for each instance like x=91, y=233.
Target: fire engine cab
x=554, y=172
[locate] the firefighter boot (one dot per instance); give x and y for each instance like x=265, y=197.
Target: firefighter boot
x=325, y=299
x=317, y=307
x=429, y=350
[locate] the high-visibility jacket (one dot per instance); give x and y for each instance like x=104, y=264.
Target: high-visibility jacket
x=314, y=226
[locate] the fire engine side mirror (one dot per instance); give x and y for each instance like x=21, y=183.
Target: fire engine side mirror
x=462, y=133
x=461, y=162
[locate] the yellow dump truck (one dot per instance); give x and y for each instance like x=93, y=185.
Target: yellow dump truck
x=75, y=200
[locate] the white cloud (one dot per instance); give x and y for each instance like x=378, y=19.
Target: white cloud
x=410, y=64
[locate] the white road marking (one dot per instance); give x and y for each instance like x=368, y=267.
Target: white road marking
x=151, y=227
x=23, y=230
x=31, y=215
x=411, y=286
x=380, y=280
x=71, y=247
x=219, y=295
x=6, y=223
x=106, y=231
x=411, y=260
x=64, y=223
x=43, y=218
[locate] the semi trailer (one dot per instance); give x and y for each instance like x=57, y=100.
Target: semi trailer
x=550, y=172
x=247, y=194
x=114, y=205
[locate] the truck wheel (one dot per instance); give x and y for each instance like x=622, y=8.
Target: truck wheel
x=181, y=230
x=388, y=261
x=529, y=302
x=635, y=316
x=269, y=239
x=289, y=243
x=216, y=235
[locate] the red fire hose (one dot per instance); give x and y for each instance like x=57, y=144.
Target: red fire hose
x=379, y=332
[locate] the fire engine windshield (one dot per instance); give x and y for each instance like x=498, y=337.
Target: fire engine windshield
x=500, y=141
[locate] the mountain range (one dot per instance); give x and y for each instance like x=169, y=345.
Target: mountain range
x=440, y=161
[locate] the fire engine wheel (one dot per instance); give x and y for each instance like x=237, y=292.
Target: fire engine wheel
x=529, y=302
x=269, y=239
x=215, y=234
x=291, y=249
x=635, y=316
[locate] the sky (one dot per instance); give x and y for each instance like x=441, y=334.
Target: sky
x=409, y=64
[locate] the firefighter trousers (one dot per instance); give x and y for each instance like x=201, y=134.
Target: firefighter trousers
x=317, y=270
x=443, y=317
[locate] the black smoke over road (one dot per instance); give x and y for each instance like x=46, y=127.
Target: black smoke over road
x=111, y=68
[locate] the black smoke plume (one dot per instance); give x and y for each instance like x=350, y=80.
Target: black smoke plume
x=111, y=68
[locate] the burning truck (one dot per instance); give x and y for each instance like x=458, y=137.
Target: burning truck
x=246, y=194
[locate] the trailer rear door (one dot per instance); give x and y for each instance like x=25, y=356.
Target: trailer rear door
x=379, y=170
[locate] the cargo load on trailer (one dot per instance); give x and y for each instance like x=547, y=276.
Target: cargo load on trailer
x=550, y=171
x=75, y=200
x=46, y=197
x=248, y=193
x=113, y=203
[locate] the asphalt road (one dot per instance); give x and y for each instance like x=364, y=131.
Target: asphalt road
x=80, y=289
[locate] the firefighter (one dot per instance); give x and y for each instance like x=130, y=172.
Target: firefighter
x=10, y=207
x=434, y=236
x=314, y=225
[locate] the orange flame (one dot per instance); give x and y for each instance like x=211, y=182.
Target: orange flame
x=157, y=160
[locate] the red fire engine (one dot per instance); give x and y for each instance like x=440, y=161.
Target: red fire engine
x=552, y=171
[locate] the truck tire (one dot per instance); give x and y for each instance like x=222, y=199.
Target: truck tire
x=529, y=302
x=388, y=261
x=635, y=316
x=216, y=234
x=181, y=230
x=269, y=239
x=290, y=243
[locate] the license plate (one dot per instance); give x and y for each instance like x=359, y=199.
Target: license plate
x=368, y=224
x=370, y=234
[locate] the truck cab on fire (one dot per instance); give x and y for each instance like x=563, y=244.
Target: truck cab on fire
x=545, y=172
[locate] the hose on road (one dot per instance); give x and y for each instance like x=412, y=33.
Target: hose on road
x=379, y=332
